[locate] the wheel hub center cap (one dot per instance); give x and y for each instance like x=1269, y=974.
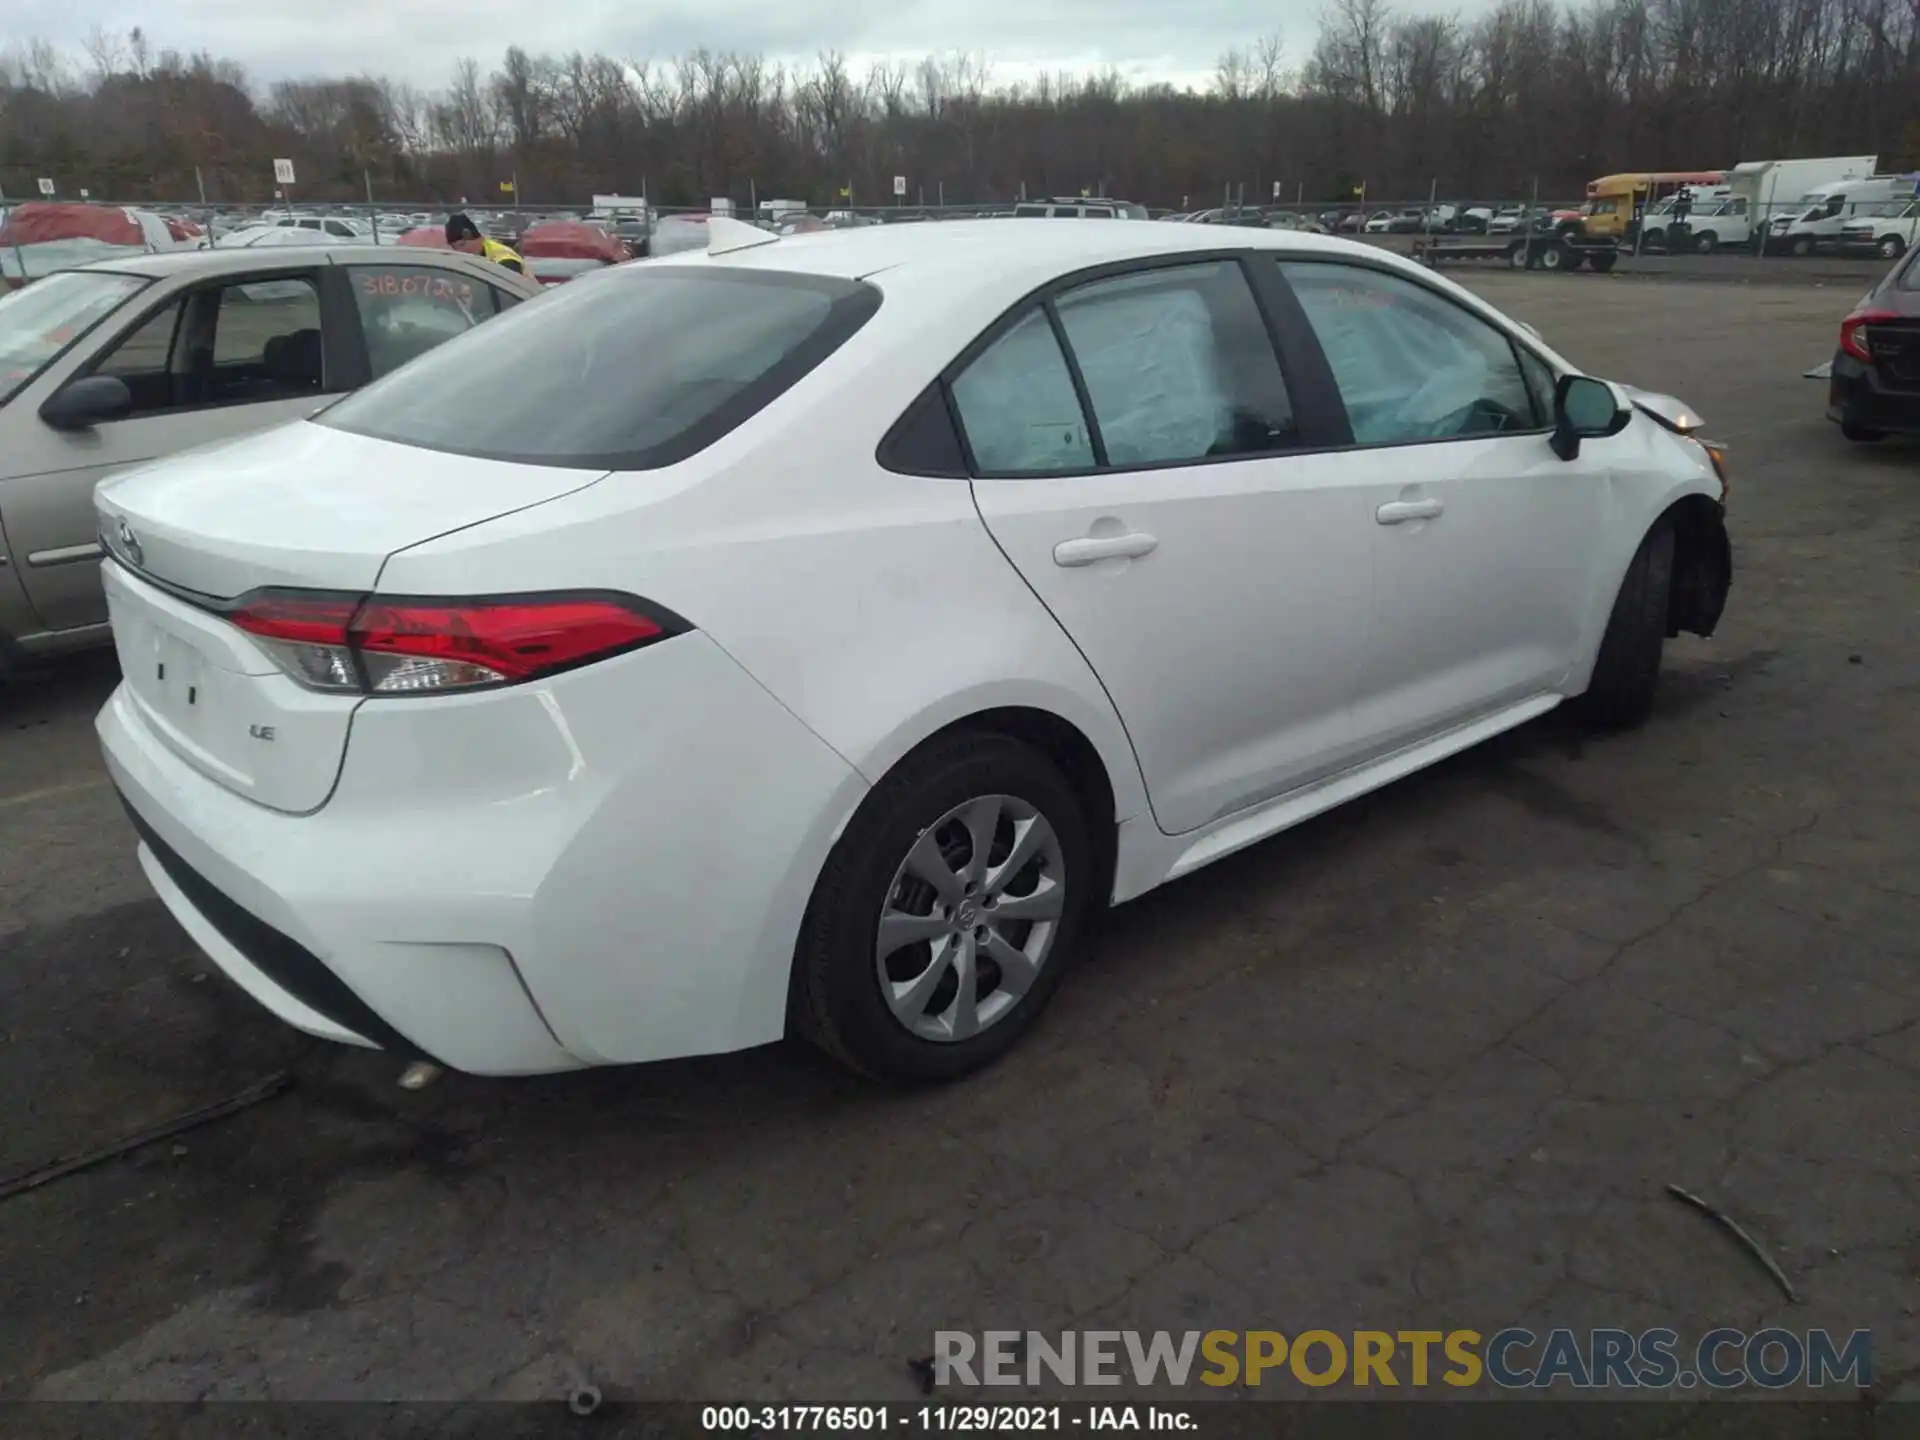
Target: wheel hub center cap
x=967, y=916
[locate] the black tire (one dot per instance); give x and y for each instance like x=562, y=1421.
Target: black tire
x=1892, y=247
x=1518, y=256
x=1654, y=240
x=1602, y=263
x=1554, y=257
x=1706, y=244
x=1620, y=693
x=837, y=1002
x=1802, y=246
x=1860, y=434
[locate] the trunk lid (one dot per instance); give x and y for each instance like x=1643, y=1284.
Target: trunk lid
x=303, y=506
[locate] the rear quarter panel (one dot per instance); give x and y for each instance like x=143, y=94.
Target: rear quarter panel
x=874, y=606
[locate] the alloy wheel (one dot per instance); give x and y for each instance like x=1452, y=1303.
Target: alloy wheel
x=970, y=918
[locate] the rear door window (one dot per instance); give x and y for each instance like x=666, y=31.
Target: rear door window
x=1178, y=365
x=1018, y=406
x=635, y=373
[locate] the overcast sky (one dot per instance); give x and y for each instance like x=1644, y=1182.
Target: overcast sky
x=418, y=40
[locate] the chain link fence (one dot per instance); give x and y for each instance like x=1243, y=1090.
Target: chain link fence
x=74, y=232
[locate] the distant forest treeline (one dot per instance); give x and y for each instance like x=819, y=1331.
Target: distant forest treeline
x=1396, y=100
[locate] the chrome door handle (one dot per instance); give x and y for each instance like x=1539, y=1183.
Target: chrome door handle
x=1094, y=548
x=1399, y=512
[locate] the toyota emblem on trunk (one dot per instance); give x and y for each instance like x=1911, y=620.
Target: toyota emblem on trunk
x=130, y=543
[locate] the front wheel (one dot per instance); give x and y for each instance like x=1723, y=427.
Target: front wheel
x=947, y=913
x=1892, y=247
x=1620, y=693
x=1860, y=434
x=1602, y=263
x=1706, y=244
x=1802, y=246
x=1552, y=258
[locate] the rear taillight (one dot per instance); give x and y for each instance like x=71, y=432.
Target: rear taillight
x=392, y=645
x=1852, y=341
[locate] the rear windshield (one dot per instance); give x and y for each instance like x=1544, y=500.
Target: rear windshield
x=633, y=372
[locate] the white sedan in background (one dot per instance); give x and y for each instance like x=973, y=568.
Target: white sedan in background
x=818, y=633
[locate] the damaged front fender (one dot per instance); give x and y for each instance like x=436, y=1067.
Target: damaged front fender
x=1702, y=566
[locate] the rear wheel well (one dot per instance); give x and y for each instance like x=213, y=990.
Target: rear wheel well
x=1702, y=564
x=1063, y=743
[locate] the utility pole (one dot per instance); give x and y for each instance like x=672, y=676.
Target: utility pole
x=373, y=216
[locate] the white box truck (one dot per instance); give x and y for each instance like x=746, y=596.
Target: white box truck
x=1773, y=189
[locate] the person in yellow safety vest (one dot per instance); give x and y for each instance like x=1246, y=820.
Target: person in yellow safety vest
x=463, y=234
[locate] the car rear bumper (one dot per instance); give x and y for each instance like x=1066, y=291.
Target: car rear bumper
x=569, y=873
x=1858, y=396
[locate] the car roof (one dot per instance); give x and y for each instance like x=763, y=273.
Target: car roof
x=166, y=264
x=998, y=246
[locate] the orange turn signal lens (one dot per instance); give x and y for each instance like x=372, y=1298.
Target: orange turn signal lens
x=1717, y=452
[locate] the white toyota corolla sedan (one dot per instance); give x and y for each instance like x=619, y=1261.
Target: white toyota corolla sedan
x=817, y=633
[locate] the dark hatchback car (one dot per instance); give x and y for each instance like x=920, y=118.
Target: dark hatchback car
x=1874, y=387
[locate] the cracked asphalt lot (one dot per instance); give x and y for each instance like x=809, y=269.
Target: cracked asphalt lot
x=1427, y=1062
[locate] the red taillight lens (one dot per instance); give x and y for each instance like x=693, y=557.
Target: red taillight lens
x=380, y=645
x=299, y=619
x=1852, y=341
x=516, y=639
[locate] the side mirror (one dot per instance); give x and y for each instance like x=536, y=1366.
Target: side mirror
x=88, y=402
x=1585, y=409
